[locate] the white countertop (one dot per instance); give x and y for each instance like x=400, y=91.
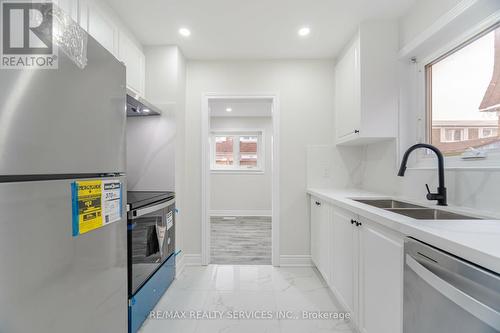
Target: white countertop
x=477, y=241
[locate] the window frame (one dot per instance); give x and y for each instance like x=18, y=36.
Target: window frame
x=425, y=159
x=237, y=134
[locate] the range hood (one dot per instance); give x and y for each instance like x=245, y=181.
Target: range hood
x=139, y=107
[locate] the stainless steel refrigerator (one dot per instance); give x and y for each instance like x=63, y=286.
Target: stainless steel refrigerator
x=61, y=127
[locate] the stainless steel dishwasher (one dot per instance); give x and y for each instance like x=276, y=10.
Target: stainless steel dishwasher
x=443, y=293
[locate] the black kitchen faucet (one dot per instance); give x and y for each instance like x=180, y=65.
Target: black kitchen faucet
x=440, y=196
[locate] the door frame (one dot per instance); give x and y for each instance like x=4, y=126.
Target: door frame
x=205, y=171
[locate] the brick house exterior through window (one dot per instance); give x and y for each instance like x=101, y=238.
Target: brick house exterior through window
x=237, y=151
x=463, y=96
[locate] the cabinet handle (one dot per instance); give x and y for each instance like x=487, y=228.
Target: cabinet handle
x=318, y=203
x=356, y=131
x=352, y=221
x=358, y=224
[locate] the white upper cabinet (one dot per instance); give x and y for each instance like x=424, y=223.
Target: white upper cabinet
x=347, y=92
x=103, y=25
x=70, y=7
x=366, y=101
x=134, y=60
x=102, y=29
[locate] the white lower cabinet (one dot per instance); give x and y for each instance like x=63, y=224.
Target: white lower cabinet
x=344, y=259
x=362, y=263
x=380, y=280
x=320, y=231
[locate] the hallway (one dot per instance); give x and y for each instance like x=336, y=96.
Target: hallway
x=240, y=240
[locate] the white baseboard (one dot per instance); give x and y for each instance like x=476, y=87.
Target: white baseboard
x=298, y=260
x=183, y=260
x=240, y=213
x=192, y=260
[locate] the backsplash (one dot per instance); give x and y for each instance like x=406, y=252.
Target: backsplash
x=374, y=168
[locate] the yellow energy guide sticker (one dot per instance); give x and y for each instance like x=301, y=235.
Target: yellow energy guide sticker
x=96, y=203
x=87, y=206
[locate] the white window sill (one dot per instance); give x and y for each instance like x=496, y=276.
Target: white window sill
x=492, y=162
x=238, y=171
x=456, y=168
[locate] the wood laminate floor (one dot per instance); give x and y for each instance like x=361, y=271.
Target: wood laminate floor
x=240, y=240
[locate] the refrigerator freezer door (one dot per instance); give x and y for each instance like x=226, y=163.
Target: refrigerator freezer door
x=51, y=281
x=65, y=120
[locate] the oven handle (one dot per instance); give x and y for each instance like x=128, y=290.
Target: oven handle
x=468, y=303
x=146, y=210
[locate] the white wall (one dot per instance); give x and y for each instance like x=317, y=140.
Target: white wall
x=151, y=140
x=334, y=167
x=155, y=145
x=305, y=89
x=244, y=192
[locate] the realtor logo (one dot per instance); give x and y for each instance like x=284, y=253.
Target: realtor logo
x=27, y=35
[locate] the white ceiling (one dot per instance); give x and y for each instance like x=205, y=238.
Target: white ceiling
x=252, y=29
x=241, y=108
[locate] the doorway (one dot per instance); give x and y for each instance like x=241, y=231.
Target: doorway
x=240, y=220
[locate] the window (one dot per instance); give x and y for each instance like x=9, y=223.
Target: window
x=489, y=132
x=463, y=96
x=452, y=135
x=237, y=151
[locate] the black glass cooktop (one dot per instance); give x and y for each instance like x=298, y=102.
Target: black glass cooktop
x=137, y=199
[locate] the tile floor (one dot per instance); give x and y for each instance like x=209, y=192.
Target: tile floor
x=258, y=290
x=242, y=240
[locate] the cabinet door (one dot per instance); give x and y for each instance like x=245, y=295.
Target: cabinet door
x=381, y=280
x=315, y=221
x=344, y=258
x=102, y=28
x=133, y=58
x=347, y=80
x=321, y=237
x=70, y=7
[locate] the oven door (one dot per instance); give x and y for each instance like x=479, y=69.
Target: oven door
x=148, y=241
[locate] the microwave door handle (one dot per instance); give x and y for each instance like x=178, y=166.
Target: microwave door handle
x=468, y=303
x=146, y=210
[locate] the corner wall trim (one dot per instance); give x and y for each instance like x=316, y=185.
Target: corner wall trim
x=437, y=26
x=179, y=264
x=298, y=260
x=241, y=213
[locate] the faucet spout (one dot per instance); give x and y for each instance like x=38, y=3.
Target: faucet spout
x=441, y=195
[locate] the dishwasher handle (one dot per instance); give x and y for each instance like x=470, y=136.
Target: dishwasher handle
x=473, y=306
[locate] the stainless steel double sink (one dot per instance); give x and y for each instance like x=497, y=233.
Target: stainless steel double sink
x=414, y=211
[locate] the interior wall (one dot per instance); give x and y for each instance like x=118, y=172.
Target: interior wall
x=155, y=145
x=151, y=140
x=305, y=89
x=244, y=192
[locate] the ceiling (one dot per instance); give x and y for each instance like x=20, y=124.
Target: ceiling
x=241, y=108
x=252, y=29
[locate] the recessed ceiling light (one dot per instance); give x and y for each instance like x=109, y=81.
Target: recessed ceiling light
x=145, y=110
x=229, y=109
x=304, y=31
x=185, y=32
